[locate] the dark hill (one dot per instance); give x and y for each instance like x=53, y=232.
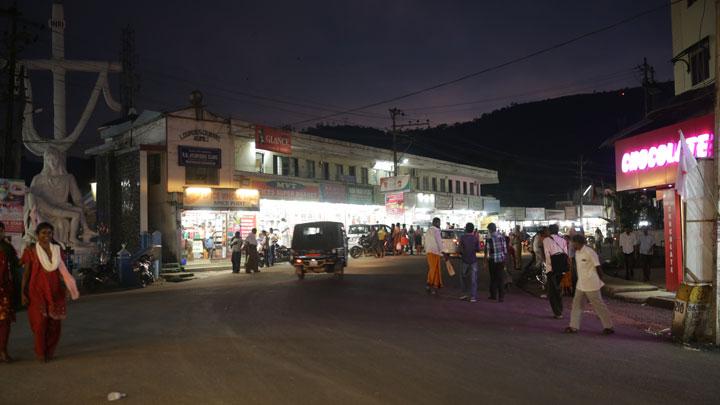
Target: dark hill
x=534, y=146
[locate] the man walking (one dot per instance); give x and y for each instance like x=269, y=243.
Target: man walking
x=516, y=239
x=469, y=247
x=411, y=239
x=495, y=256
x=271, y=245
x=433, y=248
x=627, y=245
x=557, y=263
x=647, y=242
x=236, y=248
x=588, y=286
x=251, y=244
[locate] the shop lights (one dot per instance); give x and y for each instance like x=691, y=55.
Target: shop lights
x=246, y=192
x=93, y=190
x=384, y=165
x=199, y=191
x=666, y=153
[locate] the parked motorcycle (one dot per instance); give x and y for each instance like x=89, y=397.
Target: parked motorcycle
x=282, y=254
x=142, y=269
x=363, y=248
x=102, y=275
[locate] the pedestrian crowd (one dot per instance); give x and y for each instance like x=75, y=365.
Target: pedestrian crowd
x=259, y=250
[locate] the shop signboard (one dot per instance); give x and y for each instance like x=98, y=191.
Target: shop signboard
x=673, y=239
x=396, y=183
x=535, y=214
x=12, y=203
x=273, y=139
x=475, y=203
x=221, y=198
x=491, y=205
x=359, y=195
x=395, y=203
x=555, y=215
x=283, y=190
x=460, y=202
x=650, y=159
x=196, y=156
x=443, y=202
x=593, y=211
x=571, y=213
x=334, y=193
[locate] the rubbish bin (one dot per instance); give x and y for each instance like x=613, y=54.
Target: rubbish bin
x=124, y=266
x=690, y=321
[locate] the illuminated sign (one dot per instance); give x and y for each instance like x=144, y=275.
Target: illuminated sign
x=650, y=159
x=273, y=139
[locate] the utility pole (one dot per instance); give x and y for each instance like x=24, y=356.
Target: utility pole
x=648, y=81
x=394, y=113
x=11, y=153
x=129, y=80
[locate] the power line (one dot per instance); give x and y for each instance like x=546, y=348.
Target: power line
x=500, y=65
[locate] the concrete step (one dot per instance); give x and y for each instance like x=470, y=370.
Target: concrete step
x=177, y=277
x=170, y=265
x=172, y=270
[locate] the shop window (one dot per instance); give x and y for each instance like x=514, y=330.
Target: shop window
x=259, y=162
x=364, y=175
x=457, y=187
x=310, y=169
x=339, y=172
x=442, y=185
x=352, y=172
x=426, y=185
x=434, y=184
x=464, y=187
x=294, y=167
x=201, y=175
x=450, y=188
x=472, y=189
x=326, y=171
x=699, y=57
x=154, y=170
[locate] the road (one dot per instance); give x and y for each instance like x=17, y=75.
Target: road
x=374, y=337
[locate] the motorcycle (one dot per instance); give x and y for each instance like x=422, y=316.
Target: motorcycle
x=101, y=275
x=142, y=269
x=363, y=248
x=282, y=254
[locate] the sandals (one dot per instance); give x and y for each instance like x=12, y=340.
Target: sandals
x=570, y=330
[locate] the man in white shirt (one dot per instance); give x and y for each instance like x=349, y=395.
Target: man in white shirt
x=646, y=242
x=589, y=285
x=628, y=240
x=557, y=263
x=433, y=250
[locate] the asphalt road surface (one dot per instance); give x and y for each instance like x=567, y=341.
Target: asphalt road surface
x=375, y=337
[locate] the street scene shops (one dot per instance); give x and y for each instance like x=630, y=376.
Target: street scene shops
x=198, y=178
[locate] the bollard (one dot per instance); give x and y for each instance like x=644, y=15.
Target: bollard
x=690, y=317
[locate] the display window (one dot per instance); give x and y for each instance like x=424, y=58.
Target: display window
x=206, y=233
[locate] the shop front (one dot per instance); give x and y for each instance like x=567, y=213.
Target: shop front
x=650, y=161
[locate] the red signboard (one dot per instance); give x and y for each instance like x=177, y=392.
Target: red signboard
x=673, y=239
x=284, y=190
x=650, y=159
x=395, y=203
x=273, y=139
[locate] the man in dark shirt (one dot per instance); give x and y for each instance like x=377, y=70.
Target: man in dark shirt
x=469, y=247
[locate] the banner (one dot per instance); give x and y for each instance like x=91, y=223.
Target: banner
x=12, y=203
x=571, y=213
x=283, y=190
x=555, y=215
x=273, y=139
x=475, y=203
x=491, y=206
x=335, y=193
x=443, y=202
x=395, y=203
x=593, y=211
x=221, y=198
x=359, y=195
x=460, y=202
x=673, y=239
x=397, y=183
x=535, y=214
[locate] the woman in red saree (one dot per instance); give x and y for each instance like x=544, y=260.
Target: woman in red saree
x=44, y=292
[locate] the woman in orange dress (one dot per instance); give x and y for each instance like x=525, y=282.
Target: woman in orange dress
x=43, y=291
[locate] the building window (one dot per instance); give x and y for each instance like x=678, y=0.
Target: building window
x=442, y=185
x=310, y=169
x=281, y=166
x=294, y=167
x=434, y=184
x=364, y=175
x=457, y=187
x=472, y=189
x=259, y=162
x=339, y=172
x=326, y=171
x=699, y=57
x=154, y=171
x=450, y=186
x=464, y=187
x=201, y=175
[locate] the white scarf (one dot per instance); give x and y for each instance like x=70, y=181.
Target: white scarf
x=45, y=261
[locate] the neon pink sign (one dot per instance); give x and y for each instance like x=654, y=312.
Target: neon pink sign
x=701, y=146
x=650, y=159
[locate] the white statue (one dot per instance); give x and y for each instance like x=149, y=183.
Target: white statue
x=53, y=195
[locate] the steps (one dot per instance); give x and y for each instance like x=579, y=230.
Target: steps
x=174, y=273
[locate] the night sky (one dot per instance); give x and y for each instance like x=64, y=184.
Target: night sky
x=332, y=55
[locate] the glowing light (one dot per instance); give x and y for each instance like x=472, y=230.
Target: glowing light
x=384, y=165
x=93, y=190
x=587, y=189
x=666, y=153
x=247, y=192
x=200, y=191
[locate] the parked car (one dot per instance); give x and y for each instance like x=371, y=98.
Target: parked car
x=451, y=241
x=319, y=247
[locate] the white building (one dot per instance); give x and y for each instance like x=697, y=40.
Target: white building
x=693, y=42
x=192, y=174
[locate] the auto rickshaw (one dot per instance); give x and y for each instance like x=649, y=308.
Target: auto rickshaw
x=319, y=247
